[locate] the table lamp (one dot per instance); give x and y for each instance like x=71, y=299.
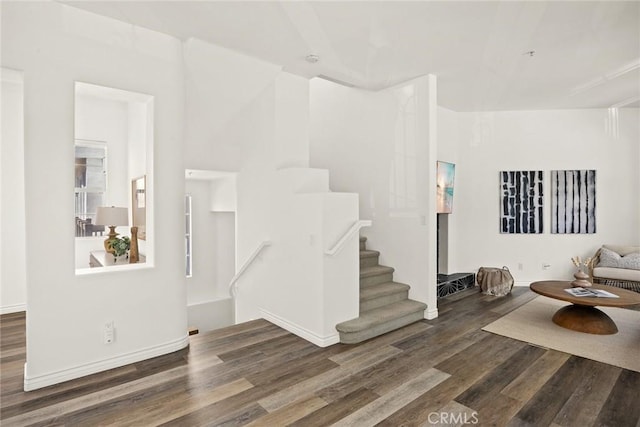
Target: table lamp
x=112, y=217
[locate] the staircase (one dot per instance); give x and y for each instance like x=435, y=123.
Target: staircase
x=384, y=304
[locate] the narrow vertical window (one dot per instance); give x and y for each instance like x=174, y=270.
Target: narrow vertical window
x=187, y=235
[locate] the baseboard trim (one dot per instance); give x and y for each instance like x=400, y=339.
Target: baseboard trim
x=211, y=301
x=300, y=331
x=36, y=382
x=431, y=313
x=522, y=284
x=7, y=309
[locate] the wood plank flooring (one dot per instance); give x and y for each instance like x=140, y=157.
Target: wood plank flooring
x=441, y=372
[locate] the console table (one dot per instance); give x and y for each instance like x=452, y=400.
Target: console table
x=104, y=259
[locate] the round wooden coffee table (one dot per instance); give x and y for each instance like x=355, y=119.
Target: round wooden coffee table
x=582, y=315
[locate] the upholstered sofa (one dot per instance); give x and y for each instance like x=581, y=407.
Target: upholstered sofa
x=616, y=265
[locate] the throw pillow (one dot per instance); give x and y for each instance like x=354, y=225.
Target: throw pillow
x=609, y=258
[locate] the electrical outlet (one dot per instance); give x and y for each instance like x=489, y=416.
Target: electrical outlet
x=520, y=266
x=108, y=332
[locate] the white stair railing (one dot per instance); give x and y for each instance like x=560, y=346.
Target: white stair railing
x=247, y=263
x=355, y=228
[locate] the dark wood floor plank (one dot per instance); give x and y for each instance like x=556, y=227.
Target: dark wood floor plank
x=486, y=391
x=587, y=400
x=500, y=413
x=267, y=347
x=18, y=401
x=290, y=413
x=465, y=367
x=230, y=331
x=392, y=372
x=416, y=413
x=444, y=365
x=309, y=386
x=165, y=410
x=282, y=368
x=113, y=411
x=117, y=393
x=622, y=407
x=389, y=403
x=234, y=342
x=524, y=386
x=242, y=402
x=154, y=406
x=392, y=338
x=485, y=355
x=240, y=417
x=337, y=410
x=554, y=394
x=513, y=301
x=416, y=362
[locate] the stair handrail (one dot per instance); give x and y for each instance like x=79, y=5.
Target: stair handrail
x=355, y=228
x=245, y=266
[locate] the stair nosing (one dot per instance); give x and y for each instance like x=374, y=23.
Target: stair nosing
x=369, y=253
x=404, y=302
x=393, y=289
x=375, y=271
x=405, y=308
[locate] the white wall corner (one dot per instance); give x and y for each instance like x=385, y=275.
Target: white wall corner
x=40, y=381
x=312, y=337
x=291, y=148
x=303, y=179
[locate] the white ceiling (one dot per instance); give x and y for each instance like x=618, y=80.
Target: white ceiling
x=587, y=53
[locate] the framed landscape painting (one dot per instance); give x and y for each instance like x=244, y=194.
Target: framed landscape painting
x=444, y=181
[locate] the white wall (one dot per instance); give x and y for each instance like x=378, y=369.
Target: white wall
x=13, y=280
x=448, y=135
x=56, y=45
x=246, y=115
x=382, y=145
x=288, y=283
x=224, y=194
x=213, y=260
x=487, y=143
x=137, y=138
x=220, y=86
x=213, y=241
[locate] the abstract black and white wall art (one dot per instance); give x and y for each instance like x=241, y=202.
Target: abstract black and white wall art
x=573, y=201
x=521, y=202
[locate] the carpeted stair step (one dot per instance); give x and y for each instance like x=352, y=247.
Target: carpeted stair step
x=375, y=275
x=363, y=243
x=378, y=321
x=385, y=293
x=369, y=258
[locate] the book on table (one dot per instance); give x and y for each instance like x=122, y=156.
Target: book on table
x=584, y=292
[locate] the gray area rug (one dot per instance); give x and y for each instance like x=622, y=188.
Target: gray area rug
x=532, y=323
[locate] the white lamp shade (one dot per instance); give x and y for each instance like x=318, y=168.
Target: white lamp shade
x=110, y=215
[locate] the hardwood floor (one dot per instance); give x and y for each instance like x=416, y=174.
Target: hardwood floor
x=441, y=372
